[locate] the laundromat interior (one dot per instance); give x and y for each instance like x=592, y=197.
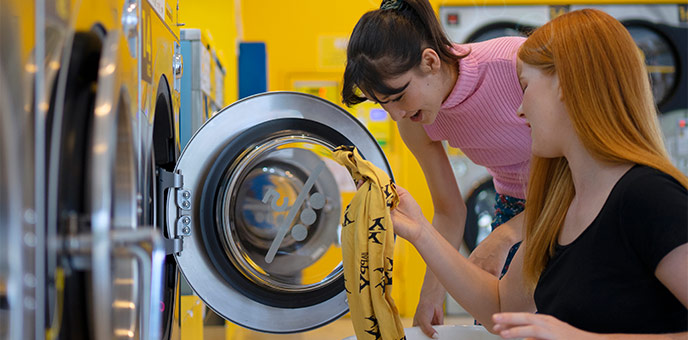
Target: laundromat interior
x=152, y=149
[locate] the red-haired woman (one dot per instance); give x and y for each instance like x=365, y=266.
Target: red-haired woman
x=399, y=56
x=605, y=252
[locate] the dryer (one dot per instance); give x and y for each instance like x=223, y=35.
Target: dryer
x=470, y=23
x=661, y=33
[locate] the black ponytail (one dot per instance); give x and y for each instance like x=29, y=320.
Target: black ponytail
x=388, y=42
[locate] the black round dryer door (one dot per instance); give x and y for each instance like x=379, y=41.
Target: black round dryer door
x=260, y=208
x=664, y=50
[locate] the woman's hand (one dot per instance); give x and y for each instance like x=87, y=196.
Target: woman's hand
x=430, y=309
x=407, y=217
x=536, y=326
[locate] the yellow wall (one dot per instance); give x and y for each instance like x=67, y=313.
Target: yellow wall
x=220, y=20
x=291, y=30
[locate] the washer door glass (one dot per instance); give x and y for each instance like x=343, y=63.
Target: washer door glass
x=260, y=208
x=660, y=59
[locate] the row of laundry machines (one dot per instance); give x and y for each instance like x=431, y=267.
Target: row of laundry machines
x=124, y=179
x=90, y=95
x=121, y=171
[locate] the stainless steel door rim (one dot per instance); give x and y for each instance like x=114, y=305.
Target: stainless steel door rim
x=225, y=157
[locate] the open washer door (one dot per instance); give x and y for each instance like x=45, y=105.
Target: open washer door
x=258, y=203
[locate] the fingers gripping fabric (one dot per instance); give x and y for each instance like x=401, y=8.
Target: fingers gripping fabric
x=368, y=250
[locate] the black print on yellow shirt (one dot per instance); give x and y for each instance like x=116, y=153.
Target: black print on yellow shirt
x=375, y=229
x=386, y=276
x=374, y=329
x=364, y=269
x=347, y=221
x=388, y=195
x=383, y=282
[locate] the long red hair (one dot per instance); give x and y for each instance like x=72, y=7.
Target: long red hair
x=606, y=91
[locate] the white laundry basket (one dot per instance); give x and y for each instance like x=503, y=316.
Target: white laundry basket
x=447, y=332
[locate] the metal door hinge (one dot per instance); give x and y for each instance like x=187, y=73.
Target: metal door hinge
x=173, y=245
x=182, y=197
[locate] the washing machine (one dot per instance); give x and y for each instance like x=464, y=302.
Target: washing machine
x=160, y=68
x=197, y=102
x=202, y=87
x=77, y=264
x=110, y=263
x=255, y=211
x=17, y=185
x=218, y=90
x=661, y=33
x=472, y=23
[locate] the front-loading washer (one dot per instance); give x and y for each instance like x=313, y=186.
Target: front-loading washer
x=255, y=210
x=472, y=23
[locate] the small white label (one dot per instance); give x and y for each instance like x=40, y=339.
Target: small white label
x=219, y=87
x=159, y=7
x=205, y=70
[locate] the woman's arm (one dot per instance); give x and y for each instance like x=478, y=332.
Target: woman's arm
x=546, y=327
x=672, y=271
x=475, y=289
x=491, y=253
x=449, y=215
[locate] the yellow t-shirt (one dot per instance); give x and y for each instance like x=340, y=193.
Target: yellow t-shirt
x=368, y=250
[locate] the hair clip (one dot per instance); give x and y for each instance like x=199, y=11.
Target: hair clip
x=391, y=4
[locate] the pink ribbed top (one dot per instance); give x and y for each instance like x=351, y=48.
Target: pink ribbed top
x=479, y=116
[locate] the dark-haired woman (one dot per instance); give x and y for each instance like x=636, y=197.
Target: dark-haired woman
x=399, y=56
